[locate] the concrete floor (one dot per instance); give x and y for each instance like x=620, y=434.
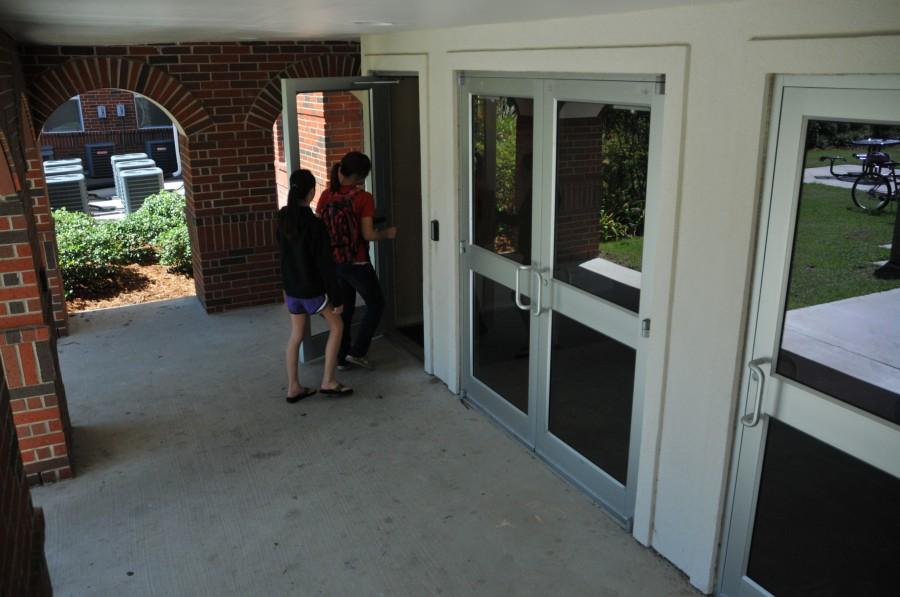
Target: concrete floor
x=194, y=477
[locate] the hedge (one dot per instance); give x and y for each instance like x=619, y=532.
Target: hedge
x=92, y=252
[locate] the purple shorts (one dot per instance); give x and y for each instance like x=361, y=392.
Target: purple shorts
x=303, y=306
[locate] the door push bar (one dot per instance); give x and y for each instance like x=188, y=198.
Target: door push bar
x=756, y=371
x=519, y=303
x=535, y=307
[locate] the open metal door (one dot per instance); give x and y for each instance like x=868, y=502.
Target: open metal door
x=373, y=93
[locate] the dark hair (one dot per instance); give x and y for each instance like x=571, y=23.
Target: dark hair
x=301, y=183
x=354, y=163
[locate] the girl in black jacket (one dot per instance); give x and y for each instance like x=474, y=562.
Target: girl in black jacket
x=310, y=283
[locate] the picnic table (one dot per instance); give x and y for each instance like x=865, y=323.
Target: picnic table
x=875, y=154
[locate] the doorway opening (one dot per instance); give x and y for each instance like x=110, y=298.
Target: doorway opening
x=378, y=116
x=407, y=326
x=112, y=167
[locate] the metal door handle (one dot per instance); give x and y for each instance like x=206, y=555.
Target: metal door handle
x=540, y=293
x=752, y=419
x=519, y=303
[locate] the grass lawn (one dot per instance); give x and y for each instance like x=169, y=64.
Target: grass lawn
x=626, y=252
x=836, y=246
x=813, y=155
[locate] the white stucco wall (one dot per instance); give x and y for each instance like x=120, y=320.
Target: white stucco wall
x=717, y=60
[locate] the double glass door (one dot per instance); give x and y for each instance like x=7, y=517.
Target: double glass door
x=557, y=230
x=816, y=499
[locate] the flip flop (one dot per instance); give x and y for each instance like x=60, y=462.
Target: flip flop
x=304, y=394
x=340, y=390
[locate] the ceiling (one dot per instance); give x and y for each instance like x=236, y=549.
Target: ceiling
x=108, y=22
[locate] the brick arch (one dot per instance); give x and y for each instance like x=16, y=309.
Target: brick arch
x=10, y=182
x=267, y=105
x=51, y=89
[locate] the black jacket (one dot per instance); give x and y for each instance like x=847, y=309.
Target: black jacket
x=307, y=268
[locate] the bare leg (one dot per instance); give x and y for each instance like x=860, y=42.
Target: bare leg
x=335, y=331
x=292, y=353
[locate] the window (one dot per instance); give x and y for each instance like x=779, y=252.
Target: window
x=66, y=118
x=149, y=115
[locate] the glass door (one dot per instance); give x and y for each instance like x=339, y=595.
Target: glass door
x=326, y=118
x=599, y=185
x=817, y=482
x=499, y=151
x=559, y=178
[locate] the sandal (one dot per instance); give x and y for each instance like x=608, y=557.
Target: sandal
x=304, y=394
x=340, y=390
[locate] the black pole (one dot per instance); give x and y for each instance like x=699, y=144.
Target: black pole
x=891, y=269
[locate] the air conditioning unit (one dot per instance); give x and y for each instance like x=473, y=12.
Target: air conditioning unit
x=59, y=170
x=66, y=162
x=69, y=191
x=138, y=184
x=162, y=151
x=98, y=159
x=126, y=157
x=120, y=167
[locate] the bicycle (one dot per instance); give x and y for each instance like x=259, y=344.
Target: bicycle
x=873, y=190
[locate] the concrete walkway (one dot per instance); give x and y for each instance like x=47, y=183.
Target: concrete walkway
x=858, y=336
x=194, y=477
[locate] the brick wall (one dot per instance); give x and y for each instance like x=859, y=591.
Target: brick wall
x=71, y=145
x=123, y=132
x=312, y=131
x=23, y=567
x=29, y=289
x=224, y=98
x=579, y=193
x=329, y=125
x=46, y=233
x=109, y=99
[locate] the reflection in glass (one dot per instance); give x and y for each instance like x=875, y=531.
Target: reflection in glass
x=601, y=188
x=501, y=175
x=841, y=331
x=500, y=336
x=826, y=523
x=591, y=389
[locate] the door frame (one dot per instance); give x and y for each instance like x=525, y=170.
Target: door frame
x=744, y=486
x=376, y=144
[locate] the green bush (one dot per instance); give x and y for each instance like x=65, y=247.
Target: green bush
x=611, y=228
x=159, y=213
x=90, y=252
x=175, y=249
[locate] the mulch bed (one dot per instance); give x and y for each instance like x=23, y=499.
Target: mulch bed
x=134, y=285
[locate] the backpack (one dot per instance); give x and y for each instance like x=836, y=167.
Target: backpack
x=343, y=227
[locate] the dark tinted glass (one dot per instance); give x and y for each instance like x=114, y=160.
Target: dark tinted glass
x=149, y=114
x=64, y=119
x=841, y=331
x=500, y=336
x=826, y=524
x=591, y=389
x=502, y=132
x=601, y=187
